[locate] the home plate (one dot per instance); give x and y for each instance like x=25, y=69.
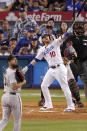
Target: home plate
x=47, y=111
x=30, y=111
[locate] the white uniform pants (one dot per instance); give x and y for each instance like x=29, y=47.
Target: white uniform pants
x=60, y=74
x=11, y=103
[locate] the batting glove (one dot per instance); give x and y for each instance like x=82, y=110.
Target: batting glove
x=70, y=30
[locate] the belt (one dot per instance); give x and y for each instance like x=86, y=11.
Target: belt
x=12, y=93
x=53, y=67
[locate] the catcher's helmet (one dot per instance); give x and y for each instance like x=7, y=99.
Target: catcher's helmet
x=78, y=29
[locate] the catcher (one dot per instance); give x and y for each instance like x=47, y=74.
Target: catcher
x=11, y=100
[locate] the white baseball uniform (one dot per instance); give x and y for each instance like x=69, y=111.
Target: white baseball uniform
x=11, y=101
x=56, y=71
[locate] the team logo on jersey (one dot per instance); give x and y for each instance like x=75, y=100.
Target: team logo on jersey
x=47, y=50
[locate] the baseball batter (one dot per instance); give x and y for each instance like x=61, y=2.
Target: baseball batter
x=11, y=101
x=51, y=52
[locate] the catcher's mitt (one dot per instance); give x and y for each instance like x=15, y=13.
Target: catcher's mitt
x=19, y=76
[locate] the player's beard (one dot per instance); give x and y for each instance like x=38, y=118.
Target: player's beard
x=14, y=66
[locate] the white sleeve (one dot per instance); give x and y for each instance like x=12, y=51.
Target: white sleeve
x=58, y=42
x=40, y=55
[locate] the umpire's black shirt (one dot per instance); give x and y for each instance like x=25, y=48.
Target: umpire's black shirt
x=80, y=45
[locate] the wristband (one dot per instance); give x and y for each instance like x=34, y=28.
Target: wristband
x=36, y=59
x=66, y=34
x=29, y=66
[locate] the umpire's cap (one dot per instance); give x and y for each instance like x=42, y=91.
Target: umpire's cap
x=10, y=57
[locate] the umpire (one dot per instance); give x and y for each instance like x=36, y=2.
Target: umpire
x=11, y=100
x=79, y=42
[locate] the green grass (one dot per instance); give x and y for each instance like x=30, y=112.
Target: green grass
x=26, y=95
x=34, y=95
x=50, y=125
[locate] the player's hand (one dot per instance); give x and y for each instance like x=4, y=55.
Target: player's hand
x=24, y=82
x=25, y=69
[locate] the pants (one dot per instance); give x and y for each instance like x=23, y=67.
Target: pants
x=75, y=70
x=11, y=103
x=60, y=74
x=83, y=76
x=81, y=70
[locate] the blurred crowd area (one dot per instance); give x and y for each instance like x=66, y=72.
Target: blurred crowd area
x=25, y=37
x=41, y=5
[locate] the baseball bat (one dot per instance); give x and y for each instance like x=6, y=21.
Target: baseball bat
x=78, y=13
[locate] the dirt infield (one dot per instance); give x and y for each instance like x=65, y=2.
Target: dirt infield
x=32, y=112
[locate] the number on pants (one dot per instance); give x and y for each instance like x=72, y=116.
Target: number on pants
x=52, y=54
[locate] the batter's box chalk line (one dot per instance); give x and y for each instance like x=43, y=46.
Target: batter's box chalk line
x=47, y=111
x=29, y=111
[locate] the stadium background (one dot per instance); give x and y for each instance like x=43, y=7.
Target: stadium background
x=35, y=75
x=32, y=118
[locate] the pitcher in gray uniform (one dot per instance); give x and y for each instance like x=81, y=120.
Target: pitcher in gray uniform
x=11, y=100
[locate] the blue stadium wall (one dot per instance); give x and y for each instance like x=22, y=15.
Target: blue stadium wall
x=34, y=76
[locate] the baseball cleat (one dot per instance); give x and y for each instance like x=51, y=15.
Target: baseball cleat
x=41, y=102
x=45, y=108
x=69, y=109
x=79, y=104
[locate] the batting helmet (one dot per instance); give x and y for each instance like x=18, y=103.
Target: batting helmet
x=78, y=29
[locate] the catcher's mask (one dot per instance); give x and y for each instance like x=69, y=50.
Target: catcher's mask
x=78, y=29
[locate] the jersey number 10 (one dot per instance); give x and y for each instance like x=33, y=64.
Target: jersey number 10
x=52, y=54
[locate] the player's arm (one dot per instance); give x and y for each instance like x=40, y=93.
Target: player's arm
x=64, y=36
x=13, y=82
x=38, y=57
x=15, y=86
x=32, y=63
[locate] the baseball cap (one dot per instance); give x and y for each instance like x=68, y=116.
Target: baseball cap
x=30, y=30
x=21, y=10
x=51, y=19
x=44, y=35
x=13, y=39
x=10, y=57
x=34, y=38
x=4, y=42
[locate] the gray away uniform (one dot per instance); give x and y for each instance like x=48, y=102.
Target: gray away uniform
x=11, y=101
